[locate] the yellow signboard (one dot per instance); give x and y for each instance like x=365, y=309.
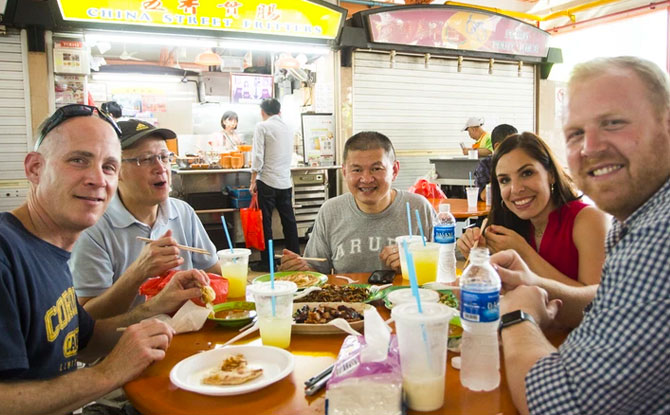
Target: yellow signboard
x=297, y=18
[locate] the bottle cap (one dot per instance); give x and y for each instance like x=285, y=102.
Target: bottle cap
x=445, y=207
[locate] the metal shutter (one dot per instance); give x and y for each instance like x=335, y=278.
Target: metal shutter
x=423, y=109
x=15, y=130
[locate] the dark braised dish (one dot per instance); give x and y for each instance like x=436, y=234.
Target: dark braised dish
x=323, y=314
x=338, y=293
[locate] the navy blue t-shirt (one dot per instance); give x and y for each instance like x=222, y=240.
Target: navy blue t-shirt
x=42, y=325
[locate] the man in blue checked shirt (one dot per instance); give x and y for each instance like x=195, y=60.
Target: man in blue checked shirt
x=617, y=358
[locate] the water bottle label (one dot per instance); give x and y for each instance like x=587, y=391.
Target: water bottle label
x=444, y=234
x=480, y=307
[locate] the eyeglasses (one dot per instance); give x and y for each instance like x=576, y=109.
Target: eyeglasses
x=149, y=160
x=70, y=111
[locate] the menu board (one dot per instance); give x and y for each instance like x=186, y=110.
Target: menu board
x=250, y=88
x=318, y=137
x=70, y=89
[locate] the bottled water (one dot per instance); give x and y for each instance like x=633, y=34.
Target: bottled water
x=480, y=314
x=444, y=233
x=488, y=195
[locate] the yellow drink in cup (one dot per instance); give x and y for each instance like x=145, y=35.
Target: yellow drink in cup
x=425, y=261
x=275, y=331
x=275, y=317
x=403, y=262
x=234, y=268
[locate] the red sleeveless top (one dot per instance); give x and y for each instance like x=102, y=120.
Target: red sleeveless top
x=557, y=246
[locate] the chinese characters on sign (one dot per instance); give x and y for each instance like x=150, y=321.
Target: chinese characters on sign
x=296, y=18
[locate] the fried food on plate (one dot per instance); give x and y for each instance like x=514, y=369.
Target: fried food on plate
x=300, y=279
x=233, y=371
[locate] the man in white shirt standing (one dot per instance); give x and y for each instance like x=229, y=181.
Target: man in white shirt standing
x=271, y=176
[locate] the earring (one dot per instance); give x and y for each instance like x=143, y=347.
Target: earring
x=502, y=204
x=552, y=188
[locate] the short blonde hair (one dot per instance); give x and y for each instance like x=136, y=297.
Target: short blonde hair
x=653, y=77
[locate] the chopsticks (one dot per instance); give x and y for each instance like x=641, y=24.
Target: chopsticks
x=481, y=232
x=308, y=258
x=182, y=247
x=316, y=382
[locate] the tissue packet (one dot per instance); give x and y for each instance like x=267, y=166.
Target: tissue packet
x=363, y=388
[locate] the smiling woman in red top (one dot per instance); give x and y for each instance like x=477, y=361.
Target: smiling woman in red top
x=536, y=211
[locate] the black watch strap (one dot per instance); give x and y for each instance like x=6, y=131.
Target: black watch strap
x=514, y=317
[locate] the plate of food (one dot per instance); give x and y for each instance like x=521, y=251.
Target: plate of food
x=234, y=314
x=313, y=318
x=302, y=279
x=232, y=370
x=350, y=293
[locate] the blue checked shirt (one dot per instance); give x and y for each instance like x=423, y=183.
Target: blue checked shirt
x=617, y=361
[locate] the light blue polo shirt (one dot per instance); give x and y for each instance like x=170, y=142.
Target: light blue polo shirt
x=104, y=251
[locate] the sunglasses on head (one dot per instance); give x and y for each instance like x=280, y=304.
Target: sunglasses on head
x=70, y=111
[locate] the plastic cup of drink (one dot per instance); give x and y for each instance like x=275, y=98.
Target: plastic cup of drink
x=425, y=261
x=473, y=153
x=275, y=327
x=403, y=260
x=422, y=342
x=472, y=193
x=404, y=295
x=234, y=268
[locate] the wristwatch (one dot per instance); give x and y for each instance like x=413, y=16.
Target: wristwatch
x=514, y=317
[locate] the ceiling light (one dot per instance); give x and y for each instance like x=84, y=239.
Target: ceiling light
x=208, y=58
x=134, y=77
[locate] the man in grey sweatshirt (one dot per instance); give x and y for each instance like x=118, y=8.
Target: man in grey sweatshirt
x=356, y=231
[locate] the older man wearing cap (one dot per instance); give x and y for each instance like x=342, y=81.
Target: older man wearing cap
x=482, y=139
x=108, y=262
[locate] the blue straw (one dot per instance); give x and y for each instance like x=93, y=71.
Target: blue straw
x=412, y=276
x=225, y=228
x=415, y=292
x=418, y=221
x=271, y=258
x=409, y=219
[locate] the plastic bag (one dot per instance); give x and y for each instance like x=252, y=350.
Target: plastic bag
x=153, y=286
x=252, y=225
x=427, y=189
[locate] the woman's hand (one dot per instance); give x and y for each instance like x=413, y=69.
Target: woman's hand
x=500, y=238
x=468, y=240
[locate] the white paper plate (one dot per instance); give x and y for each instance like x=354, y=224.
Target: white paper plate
x=276, y=364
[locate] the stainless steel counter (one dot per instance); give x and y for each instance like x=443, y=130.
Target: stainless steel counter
x=311, y=187
x=454, y=170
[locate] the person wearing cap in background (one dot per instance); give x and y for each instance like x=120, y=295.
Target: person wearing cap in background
x=483, y=169
x=108, y=262
x=73, y=174
x=482, y=139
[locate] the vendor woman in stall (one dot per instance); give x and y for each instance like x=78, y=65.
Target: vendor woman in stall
x=230, y=139
x=536, y=211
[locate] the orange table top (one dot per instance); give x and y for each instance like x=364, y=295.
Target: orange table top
x=459, y=207
x=153, y=393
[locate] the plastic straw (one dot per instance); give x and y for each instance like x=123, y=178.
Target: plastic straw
x=225, y=228
x=409, y=219
x=418, y=221
x=415, y=292
x=271, y=258
x=412, y=276
x=470, y=173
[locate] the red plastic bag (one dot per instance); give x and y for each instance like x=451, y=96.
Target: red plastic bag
x=252, y=225
x=154, y=285
x=427, y=189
